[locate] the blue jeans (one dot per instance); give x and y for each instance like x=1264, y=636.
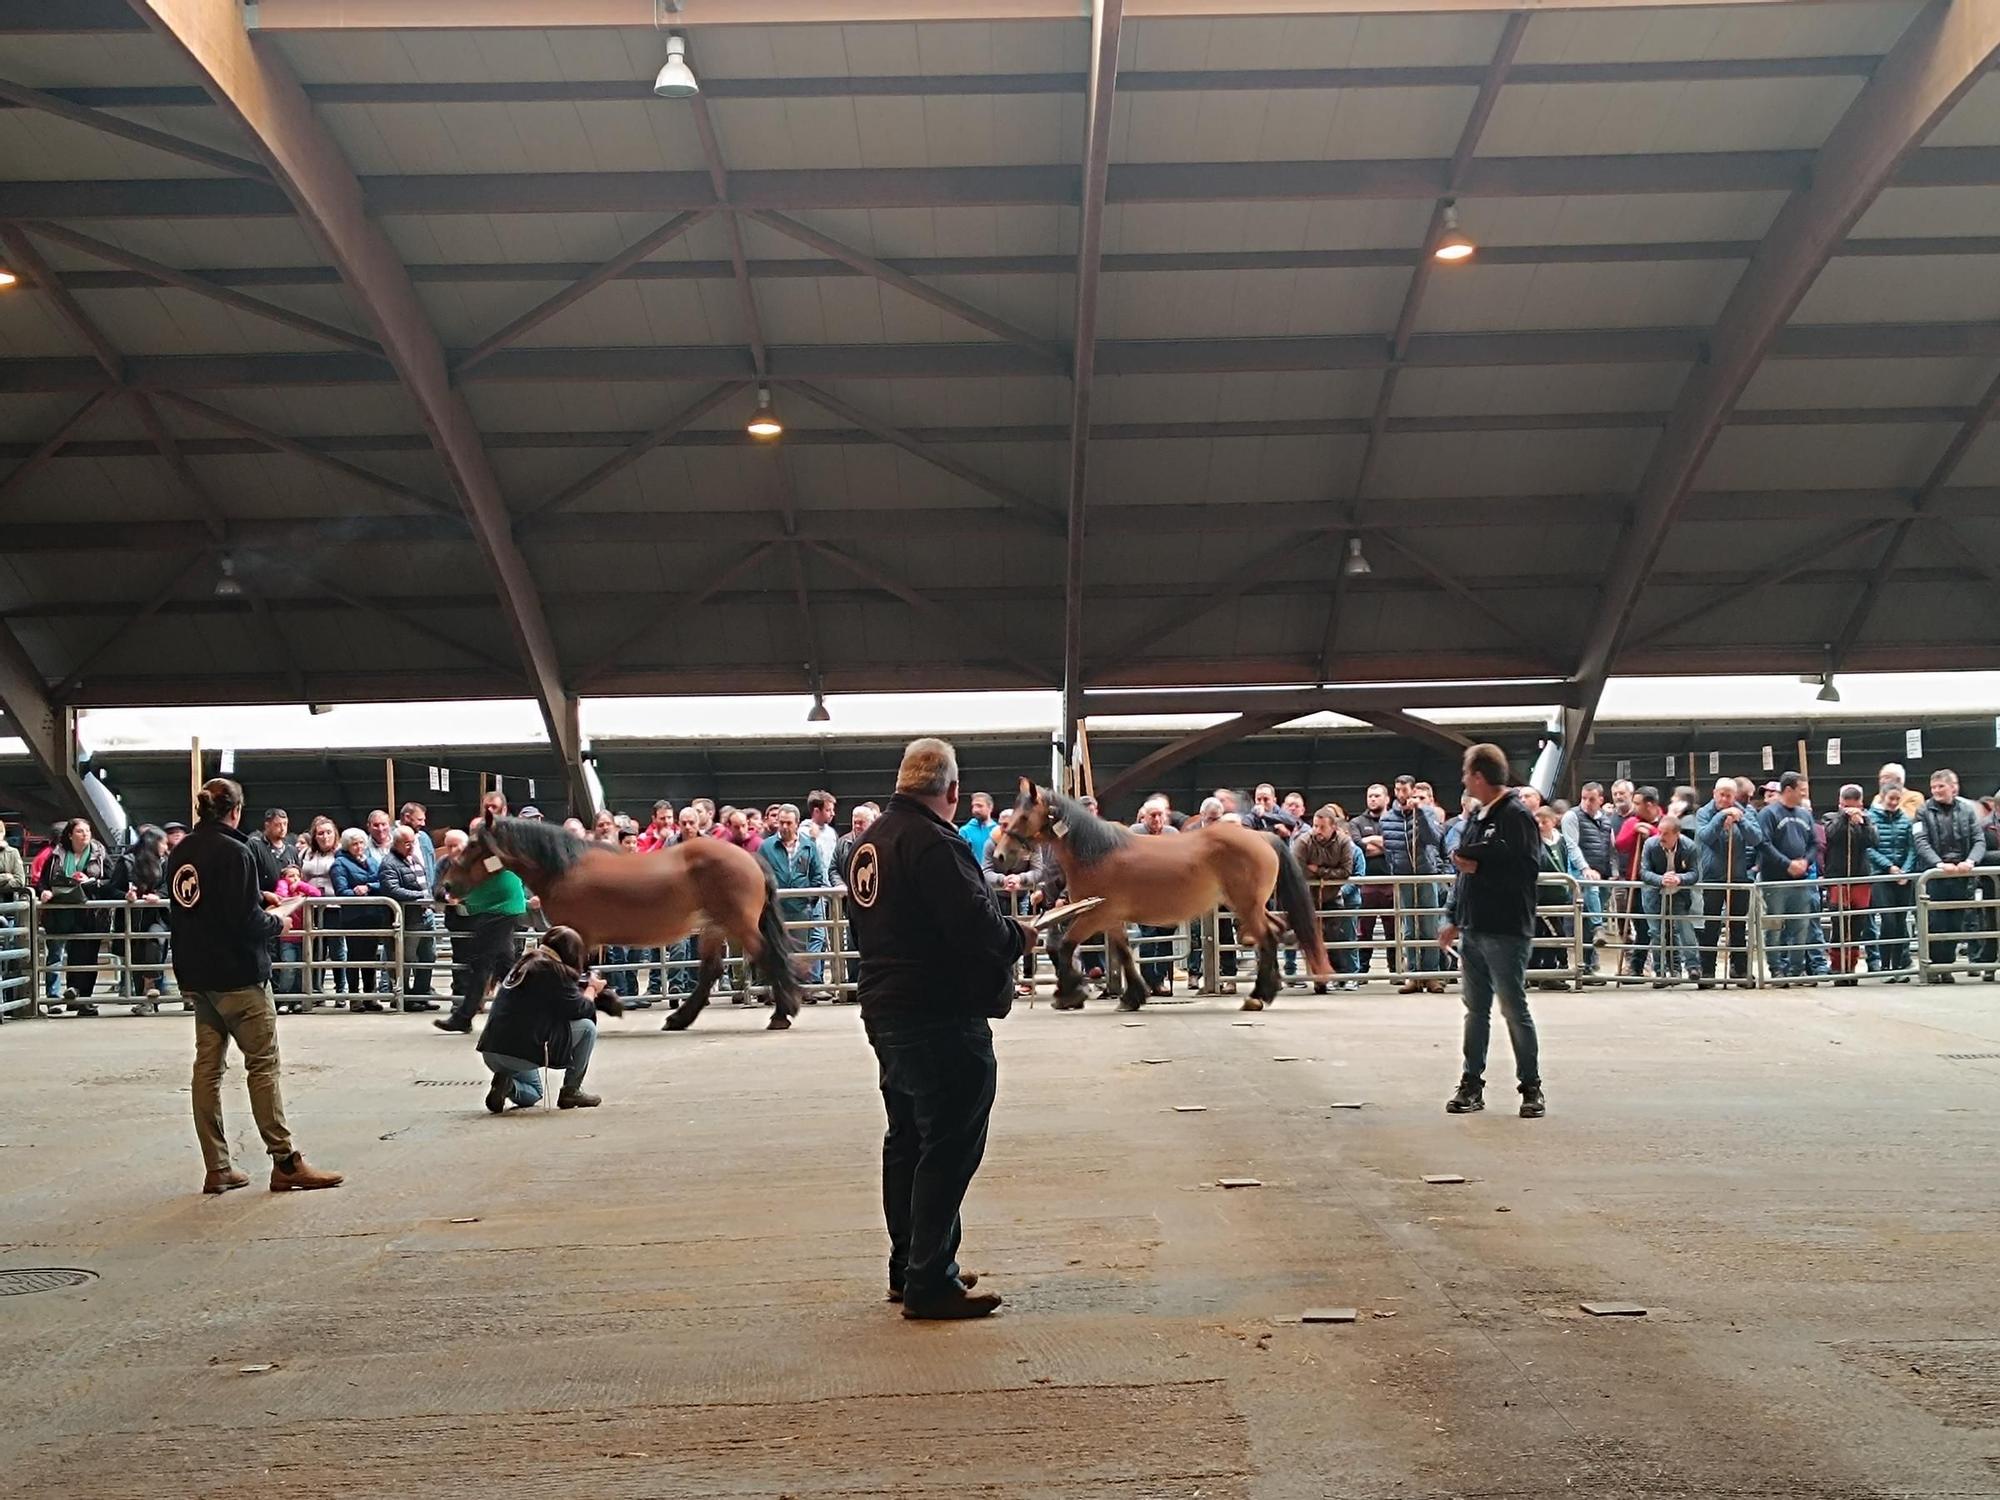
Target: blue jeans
x=526, y=1076
x=1792, y=905
x=1417, y=931
x=938, y=1079
x=1495, y=966
x=1674, y=948
x=1155, y=952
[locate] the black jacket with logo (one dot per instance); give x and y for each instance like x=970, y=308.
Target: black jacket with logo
x=1498, y=895
x=932, y=942
x=221, y=928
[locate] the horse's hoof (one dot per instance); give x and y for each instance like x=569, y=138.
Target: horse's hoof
x=780, y=1022
x=1127, y=1002
x=681, y=1019
x=1067, y=1002
x=1253, y=1003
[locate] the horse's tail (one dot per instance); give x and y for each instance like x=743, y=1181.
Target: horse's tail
x=776, y=959
x=1295, y=896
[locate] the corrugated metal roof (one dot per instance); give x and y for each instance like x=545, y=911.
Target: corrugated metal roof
x=1506, y=469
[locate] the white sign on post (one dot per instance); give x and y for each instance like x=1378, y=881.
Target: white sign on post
x=1624, y=770
x=531, y=789
x=444, y=778
x=434, y=780
x=1833, y=752
x=1913, y=744
x=229, y=763
x=1715, y=762
x=1770, y=761
x=1670, y=768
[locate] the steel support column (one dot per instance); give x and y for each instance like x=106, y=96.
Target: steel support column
x=1106, y=20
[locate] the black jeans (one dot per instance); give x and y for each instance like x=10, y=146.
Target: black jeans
x=938, y=1080
x=1719, y=929
x=482, y=953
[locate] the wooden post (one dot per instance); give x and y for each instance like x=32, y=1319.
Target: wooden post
x=1803, y=770
x=194, y=779
x=389, y=781
x=1086, y=783
x=1693, y=780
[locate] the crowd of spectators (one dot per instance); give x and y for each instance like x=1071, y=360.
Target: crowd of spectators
x=1664, y=884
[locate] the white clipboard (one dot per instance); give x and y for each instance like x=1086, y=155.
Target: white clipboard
x=1065, y=911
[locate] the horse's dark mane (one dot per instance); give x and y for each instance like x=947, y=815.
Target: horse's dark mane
x=1089, y=837
x=548, y=845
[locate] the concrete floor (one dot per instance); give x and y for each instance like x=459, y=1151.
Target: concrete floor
x=679, y=1294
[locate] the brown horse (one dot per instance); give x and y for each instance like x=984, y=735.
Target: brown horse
x=653, y=900
x=1162, y=881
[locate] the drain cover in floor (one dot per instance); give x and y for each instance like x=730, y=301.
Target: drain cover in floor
x=42, y=1279
x=1970, y=1056
x=450, y=1083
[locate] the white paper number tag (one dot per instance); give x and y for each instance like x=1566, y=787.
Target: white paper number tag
x=492, y=864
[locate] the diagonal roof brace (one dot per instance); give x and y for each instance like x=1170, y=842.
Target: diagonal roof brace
x=253, y=87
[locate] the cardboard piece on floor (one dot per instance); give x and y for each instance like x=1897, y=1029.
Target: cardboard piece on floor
x=1613, y=1309
x=1237, y=1182
x=1329, y=1315
x=1156, y=1061
x=1128, y=1025
x=465, y=1221
x=1442, y=1179
x=254, y=1369
x=1345, y=1104
x=1288, y=1058
x=1190, y=1109
x=1246, y=1023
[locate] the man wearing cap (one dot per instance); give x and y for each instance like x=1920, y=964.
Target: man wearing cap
x=936, y=969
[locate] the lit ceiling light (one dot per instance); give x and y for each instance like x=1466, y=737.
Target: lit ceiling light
x=1454, y=246
x=764, y=421
x=226, y=587
x=8, y=278
x=1355, y=565
x=676, y=80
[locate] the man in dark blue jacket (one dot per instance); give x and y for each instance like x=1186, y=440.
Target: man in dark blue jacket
x=1493, y=907
x=1727, y=833
x=223, y=926
x=936, y=968
x=1789, y=844
x=1413, y=844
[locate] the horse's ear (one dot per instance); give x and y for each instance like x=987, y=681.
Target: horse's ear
x=1027, y=786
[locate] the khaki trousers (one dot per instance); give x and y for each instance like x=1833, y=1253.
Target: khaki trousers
x=249, y=1018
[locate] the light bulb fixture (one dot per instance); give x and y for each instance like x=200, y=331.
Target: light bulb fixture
x=226, y=587
x=8, y=278
x=1453, y=246
x=676, y=80
x=818, y=713
x=1355, y=565
x=1828, y=693
x=764, y=421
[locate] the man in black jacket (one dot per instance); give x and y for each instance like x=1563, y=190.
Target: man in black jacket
x=405, y=881
x=1948, y=841
x=223, y=927
x=936, y=967
x=1493, y=904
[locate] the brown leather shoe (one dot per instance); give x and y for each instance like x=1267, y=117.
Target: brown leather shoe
x=223, y=1181
x=301, y=1177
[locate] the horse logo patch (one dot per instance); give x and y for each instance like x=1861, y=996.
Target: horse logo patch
x=187, y=886
x=864, y=876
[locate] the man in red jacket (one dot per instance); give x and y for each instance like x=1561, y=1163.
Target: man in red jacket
x=1628, y=841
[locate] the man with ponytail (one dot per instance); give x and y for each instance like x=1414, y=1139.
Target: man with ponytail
x=223, y=927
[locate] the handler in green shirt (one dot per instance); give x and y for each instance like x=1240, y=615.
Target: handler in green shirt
x=486, y=948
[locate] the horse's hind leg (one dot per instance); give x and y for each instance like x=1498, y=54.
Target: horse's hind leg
x=712, y=947
x=1264, y=936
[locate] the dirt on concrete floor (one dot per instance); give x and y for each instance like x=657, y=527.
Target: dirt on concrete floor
x=680, y=1294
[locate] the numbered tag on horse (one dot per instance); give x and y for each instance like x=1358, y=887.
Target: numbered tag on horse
x=492, y=864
